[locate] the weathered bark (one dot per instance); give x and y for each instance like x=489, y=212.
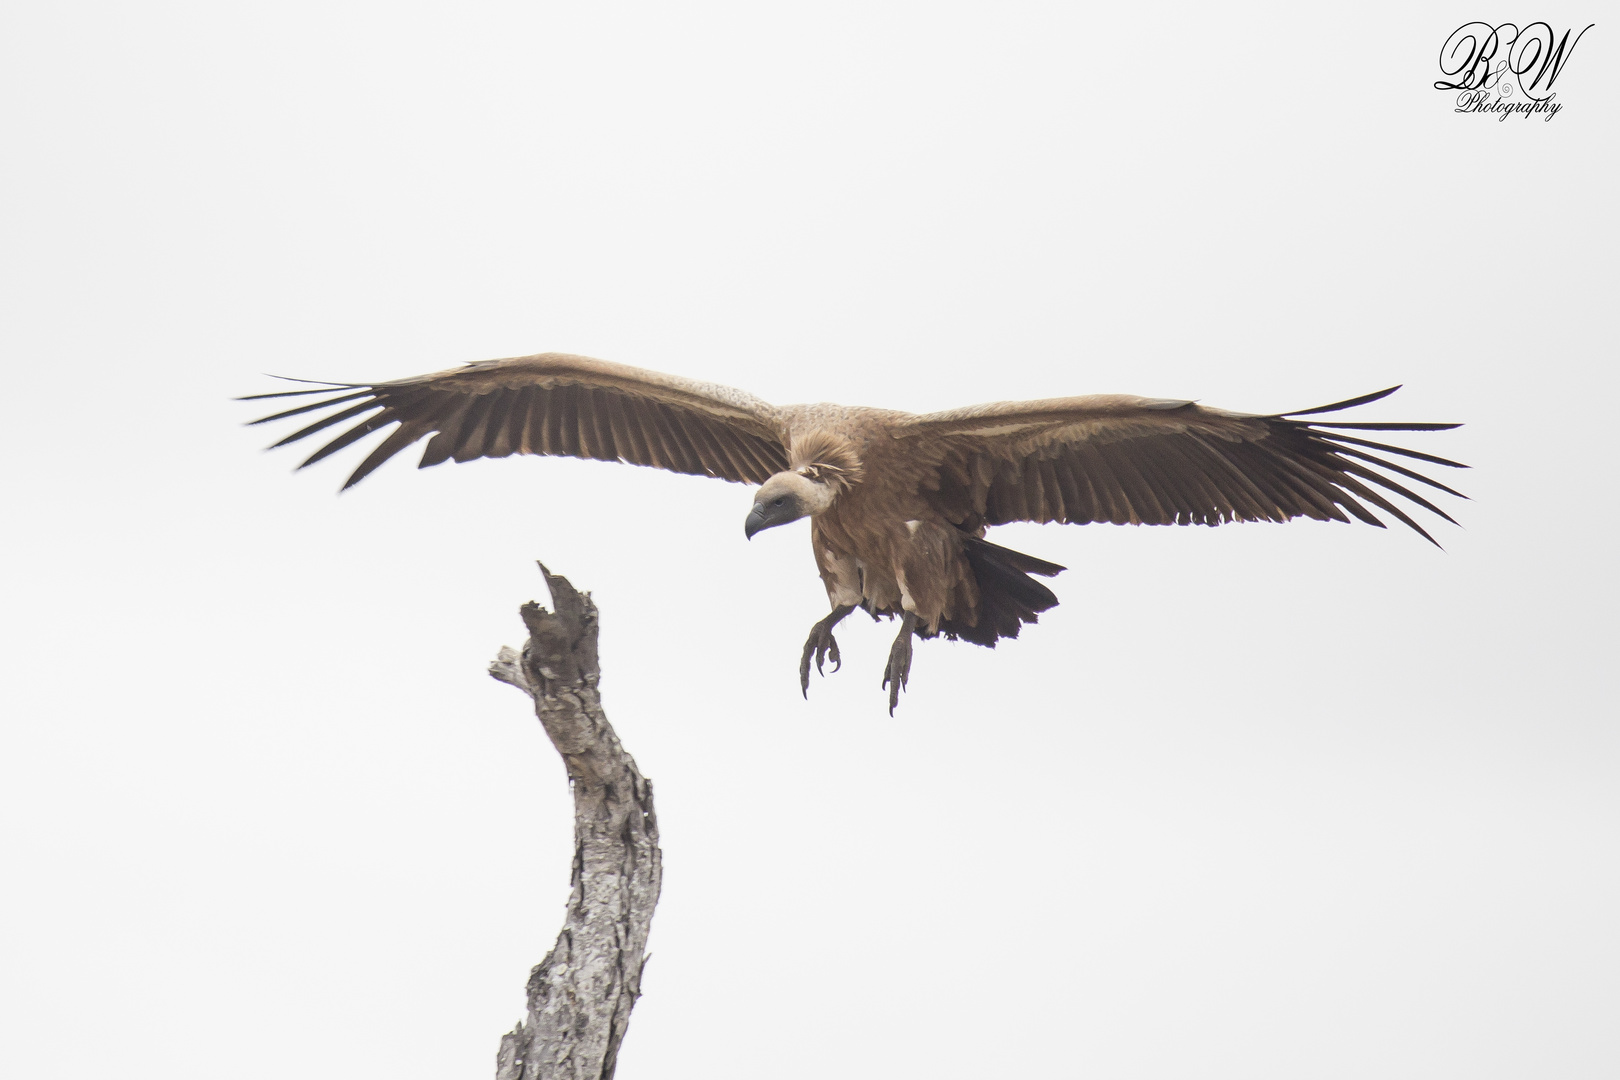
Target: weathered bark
x=581, y=994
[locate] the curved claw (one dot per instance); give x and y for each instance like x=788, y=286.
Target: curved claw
x=898, y=671
x=829, y=653
x=821, y=646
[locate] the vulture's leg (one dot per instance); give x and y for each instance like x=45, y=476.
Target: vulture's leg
x=899, y=669
x=822, y=646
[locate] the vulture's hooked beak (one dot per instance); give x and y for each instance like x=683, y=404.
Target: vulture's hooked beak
x=772, y=510
x=756, y=521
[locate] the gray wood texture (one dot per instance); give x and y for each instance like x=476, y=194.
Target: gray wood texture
x=581, y=994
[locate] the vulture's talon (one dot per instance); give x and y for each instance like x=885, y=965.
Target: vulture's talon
x=898, y=671
x=830, y=653
x=821, y=646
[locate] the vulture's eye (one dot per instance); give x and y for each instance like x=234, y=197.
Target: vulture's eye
x=780, y=500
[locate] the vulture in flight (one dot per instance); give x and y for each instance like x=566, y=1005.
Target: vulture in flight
x=898, y=503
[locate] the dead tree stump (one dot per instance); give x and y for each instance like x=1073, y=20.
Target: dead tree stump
x=581, y=994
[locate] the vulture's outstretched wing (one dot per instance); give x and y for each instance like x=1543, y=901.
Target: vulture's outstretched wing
x=1154, y=462
x=553, y=403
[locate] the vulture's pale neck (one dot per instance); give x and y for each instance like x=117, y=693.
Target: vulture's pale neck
x=827, y=459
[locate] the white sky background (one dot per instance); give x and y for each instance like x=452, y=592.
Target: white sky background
x=1255, y=802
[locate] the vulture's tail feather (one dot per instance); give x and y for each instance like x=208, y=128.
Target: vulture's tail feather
x=1008, y=596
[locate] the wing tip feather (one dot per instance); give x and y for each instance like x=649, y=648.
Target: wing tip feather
x=1348, y=403
x=295, y=393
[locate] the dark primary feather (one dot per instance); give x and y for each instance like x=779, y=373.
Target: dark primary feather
x=323, y=384
x=1386, y=447
x=1391, y=427
x=1348, y=403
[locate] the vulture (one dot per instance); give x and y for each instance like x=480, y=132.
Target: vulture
x=898, y=502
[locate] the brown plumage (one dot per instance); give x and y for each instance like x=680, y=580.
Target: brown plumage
x=899, y=503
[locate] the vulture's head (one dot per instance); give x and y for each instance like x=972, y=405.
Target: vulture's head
x=789, y=496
